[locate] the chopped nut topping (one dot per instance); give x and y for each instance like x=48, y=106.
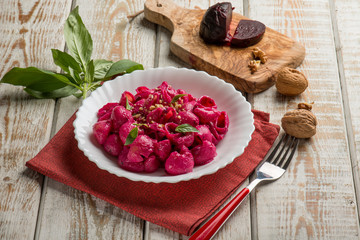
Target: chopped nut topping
x=259, y=54
x=254, y=65
x=152, y=107
x=177, y=105
x=159, y=105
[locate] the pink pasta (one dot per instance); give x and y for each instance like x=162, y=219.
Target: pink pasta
x=161, y=128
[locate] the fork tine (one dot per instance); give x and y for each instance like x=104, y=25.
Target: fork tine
x=278, y=159
x=270, y=158
x=296, y=142
x=291, y=139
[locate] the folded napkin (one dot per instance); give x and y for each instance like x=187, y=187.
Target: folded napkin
x=181, y=207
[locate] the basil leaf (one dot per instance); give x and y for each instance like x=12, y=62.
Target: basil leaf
x=36, y=79
x=101, y=68
x=132, y=136
x=128, y=107
x=58, y=93
x=123, y=66
x=75, y=76
x=141, y=124
x=78, y=94
x=184, y=128
x=64, y=61
x=90, y=70
x=177, y=97
x=78, y=38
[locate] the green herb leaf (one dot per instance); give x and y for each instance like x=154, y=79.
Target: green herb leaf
x=132, y=136
x=101, y=68
x=177, y=97
x=75, y=77
x=90, y=70
x=58, y=93
x=123, y=66
x=184, y=128
x=128, y=107
x=82, y=73
x=64, y=61
x=36, y=79
x=78, y=94
x=78, y=38
x=141, y=124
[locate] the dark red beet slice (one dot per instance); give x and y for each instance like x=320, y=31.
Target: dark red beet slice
x=247, y=33
x=216, y=21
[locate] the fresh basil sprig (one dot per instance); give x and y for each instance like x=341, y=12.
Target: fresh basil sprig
x=81, y=73
x=184, y=128
x=132, y=136
x=128, y=106
x=175, y=98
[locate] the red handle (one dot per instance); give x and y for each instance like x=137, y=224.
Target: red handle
x=208, y=230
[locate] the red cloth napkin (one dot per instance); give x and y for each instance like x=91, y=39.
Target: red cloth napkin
x=181, y=207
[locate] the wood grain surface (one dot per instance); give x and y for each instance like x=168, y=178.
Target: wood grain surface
x=303, y=203
x=187, y=45
x=83, y=216
x=318, y=198
x=24, y=42
x=347, y=36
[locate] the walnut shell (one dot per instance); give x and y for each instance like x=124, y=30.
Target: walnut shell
x=291, y=82
x=300, y=123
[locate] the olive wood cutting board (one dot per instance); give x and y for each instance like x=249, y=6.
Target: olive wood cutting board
x=226, y=62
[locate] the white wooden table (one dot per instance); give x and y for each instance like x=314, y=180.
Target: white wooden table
x=317, y=197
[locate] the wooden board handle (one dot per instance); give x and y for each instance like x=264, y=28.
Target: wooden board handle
x=163, y=12
x=226, y=62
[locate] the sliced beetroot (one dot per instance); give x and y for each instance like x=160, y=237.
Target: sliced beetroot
x=248, y=33
x=216, y=21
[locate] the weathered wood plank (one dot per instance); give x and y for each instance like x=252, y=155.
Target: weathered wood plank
x=238, y=225
x=66, y=211
x=28, y=30
x=345, y=16
x=315, y=199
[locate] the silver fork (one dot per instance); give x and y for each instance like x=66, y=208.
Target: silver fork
x=271, y=169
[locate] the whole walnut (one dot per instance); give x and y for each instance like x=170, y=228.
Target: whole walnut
x=291, y=82
x=300, y=123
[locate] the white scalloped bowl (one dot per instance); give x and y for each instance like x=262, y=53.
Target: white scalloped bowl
x=197, y=83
